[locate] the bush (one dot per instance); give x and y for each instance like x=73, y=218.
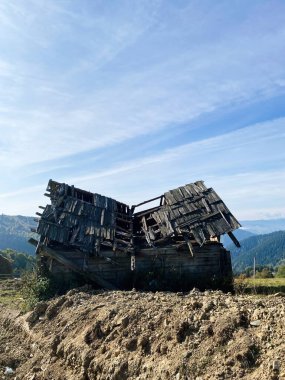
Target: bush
x=264, y=273
x=35, y=288
x=20, y=261
x=241, y=276
x=281, y=271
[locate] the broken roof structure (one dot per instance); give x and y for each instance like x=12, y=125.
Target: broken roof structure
x=90, y=222
x=84, y=220
x=192, y=211
x=113, y=245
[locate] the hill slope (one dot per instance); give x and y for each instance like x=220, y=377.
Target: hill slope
x=19, y=261
x=15, y=232
x=268, y=249
x=240, y=234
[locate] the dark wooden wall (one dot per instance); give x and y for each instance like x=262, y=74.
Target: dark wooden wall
x=152, y=267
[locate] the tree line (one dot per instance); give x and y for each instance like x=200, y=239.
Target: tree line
x=19, y=261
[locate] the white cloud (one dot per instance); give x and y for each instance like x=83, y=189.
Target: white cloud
x=245, y=153
x=81, y=76
x=249, y=190
x=198, y=80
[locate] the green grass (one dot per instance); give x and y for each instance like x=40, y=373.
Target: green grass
x=10, y=294
x=275, y=282
x=260, y=285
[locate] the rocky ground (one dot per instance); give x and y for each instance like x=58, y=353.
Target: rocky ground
x=86, y=335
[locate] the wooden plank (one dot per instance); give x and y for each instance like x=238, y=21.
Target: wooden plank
x=70, y=265
x=115, y=267
x=33, y=241
x=234, y=239
x=143, y=203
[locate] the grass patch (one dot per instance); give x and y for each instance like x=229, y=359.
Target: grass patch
x=10, y=295
x=260, y=285
x=275, y=282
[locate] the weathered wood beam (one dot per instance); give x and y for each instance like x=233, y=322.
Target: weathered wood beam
x=234, y=239
x=146, y=212
x=70, y=265
x=127, y=231
x=127, y=220
x=150, y=200
x=33, y=241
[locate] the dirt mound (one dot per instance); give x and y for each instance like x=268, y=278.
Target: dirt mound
x=86, y=335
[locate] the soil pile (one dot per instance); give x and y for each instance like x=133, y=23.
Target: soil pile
x=88, y=335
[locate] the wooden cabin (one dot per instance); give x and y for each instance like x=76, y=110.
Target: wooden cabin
x=173, y=245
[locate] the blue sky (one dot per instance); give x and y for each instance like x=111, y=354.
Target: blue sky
x=132, y=98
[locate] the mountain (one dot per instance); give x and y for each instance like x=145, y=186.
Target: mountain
x=15, y=232
x=240, y=234
x=268, y=249
x=255, y=227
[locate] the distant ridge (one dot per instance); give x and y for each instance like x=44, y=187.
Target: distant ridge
x=240, y=234
x=268, y=249
x=15, y=232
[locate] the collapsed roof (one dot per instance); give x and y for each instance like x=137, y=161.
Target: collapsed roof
x=84, y=220
x=193, y=211
x=90, y=222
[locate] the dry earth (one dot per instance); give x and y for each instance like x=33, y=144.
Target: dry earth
x=86, y=335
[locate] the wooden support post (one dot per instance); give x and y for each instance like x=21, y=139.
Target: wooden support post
x=234, y=239
x=34, y=242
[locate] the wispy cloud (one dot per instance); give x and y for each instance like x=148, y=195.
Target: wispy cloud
x=79, y=81
x=256, y=177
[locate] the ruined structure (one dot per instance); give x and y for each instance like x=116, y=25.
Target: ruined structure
x=175, y=244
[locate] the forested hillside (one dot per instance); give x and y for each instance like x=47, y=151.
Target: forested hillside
x=240, y=234
x=15, y=232
x=20, y=261
x=268, y=250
